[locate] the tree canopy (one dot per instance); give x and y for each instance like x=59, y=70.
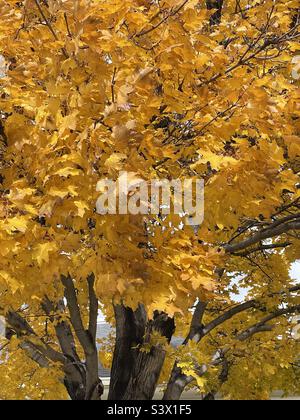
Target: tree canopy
x=162, y=90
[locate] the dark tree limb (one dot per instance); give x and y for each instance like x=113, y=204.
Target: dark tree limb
x=76, y=320
x=228, y=315
x=216, y=5
x=65, y=336
x=130, y=331
x=44, y=355
x=274, y=229
x=196, y=329
x=148, y=365
x=24, y=331
x=263, y=248
x=263, y=325
x=94, y=386
x=93, y=311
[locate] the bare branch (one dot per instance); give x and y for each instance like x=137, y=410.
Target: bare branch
x=263, y=324
x=196, y=323
x=263, y=248
x=245, y=59
x=276, y=228
x=76, y=320
x=67, y=25
x=228, y=315
x=93, y=312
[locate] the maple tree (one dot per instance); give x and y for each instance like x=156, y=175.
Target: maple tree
x=173, y=89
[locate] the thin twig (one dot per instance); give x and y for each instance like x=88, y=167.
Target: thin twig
x=172, y=13
x=67, y=25
x=50, y=26
x=260, y=267
x=113, y=83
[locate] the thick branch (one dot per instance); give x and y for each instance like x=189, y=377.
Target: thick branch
x=178, y=380
x=274, y=229
x=263, y=324
x=76, y=320
x=93, y=312
x=196, y=323
x=94, y=386
x=263, y=248
x=24, y=331
x=228, y=315
x=64, y=333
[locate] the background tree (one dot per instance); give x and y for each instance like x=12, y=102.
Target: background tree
x=198, y=89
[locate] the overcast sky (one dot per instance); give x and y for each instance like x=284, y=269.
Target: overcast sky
x=296, y=270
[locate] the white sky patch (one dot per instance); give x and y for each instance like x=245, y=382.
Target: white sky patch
x=240, y=297
x=243, y=291
x=295, y=272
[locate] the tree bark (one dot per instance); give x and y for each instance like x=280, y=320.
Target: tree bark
x=148, y=366
x=130, y=330
x=178, y=380
x=87, y=337
x=177, y=383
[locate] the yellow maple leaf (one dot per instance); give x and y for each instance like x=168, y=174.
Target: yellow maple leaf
x=11, y=281
x=41, y=252
x=16, y=224
x=81, y=207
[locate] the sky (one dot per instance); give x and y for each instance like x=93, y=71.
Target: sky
x=296, y=271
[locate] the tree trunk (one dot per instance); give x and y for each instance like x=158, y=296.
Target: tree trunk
x=143, y=382
x=94, y=387
x=209, y=397
x=130, y=330
x=76, y=390
x=148, y=366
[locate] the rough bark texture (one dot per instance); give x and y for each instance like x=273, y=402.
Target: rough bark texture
x=135, y=373
x=177, y=383
x=86, y=337
x=148, y=366
x=130, y=330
